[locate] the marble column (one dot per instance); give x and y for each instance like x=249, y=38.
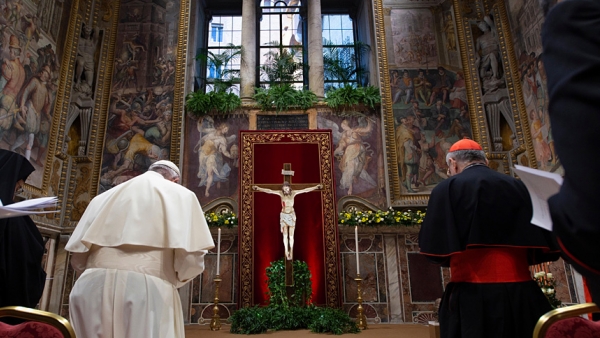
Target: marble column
x=248, y=64
x=315, y=49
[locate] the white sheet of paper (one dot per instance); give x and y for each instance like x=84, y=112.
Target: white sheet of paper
x=36, y=203
x=28, y=207
x=541, y=186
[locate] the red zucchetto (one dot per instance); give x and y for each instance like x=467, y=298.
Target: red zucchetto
x=465, y=144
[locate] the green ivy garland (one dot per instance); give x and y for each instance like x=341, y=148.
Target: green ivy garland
x=278, y=290
x=294, y=313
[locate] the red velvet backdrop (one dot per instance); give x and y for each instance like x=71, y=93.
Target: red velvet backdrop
x=263, y=157
x=268, y=240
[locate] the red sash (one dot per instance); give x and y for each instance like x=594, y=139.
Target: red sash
x=490, y=265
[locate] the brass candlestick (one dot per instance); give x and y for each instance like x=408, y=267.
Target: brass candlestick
x=361, y=319
x=215, y=323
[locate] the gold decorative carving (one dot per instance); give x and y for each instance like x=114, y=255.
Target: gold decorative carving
x=323, y=140
x=178, y=91
x=386, y=101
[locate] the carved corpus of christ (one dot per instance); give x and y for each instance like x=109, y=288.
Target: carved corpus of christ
x=287, y=217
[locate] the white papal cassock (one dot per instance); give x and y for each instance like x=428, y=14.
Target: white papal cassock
x=137, y=243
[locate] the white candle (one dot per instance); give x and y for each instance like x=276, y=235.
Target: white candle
x=218, y=251
x=356, y=240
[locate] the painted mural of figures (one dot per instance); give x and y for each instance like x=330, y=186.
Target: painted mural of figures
x=133, y=47
x=442, y=86
x=440, y=117
x=422, y=86
x=30, y=29
x=352, y=153
x=138, y=133
x=540, y=144
x=402, y=86
x=458, y=93
x=13, y=76
x=413, y=38
x=441, y=146
x=160, y=133
x=138, y=147
x=408, y=156
x=529, y=87
x=14, y=11
x=211, y=148
x=35, y=105
x=449, y=30
x=541, y=80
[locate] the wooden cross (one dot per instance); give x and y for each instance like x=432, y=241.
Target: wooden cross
x=287, y=173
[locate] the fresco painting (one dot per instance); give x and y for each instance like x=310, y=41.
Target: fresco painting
x=30, y=68
x=430, y=113
x=211, y=156
x=428, y=92
x=357, y=154
x=139, y=123
x=450, y=53
x=413, y=38
x=527, y=18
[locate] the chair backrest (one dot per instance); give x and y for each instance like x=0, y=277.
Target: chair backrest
x=566, y=322
x=39, y=316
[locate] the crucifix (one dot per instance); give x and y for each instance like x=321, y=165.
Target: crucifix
x=287, y=217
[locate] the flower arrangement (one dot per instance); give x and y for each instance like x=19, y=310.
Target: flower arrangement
x=226, y=219
x=369, y=218
x=388, y=217
x=548, y=285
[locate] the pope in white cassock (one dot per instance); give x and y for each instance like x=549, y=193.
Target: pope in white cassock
x=136, y=244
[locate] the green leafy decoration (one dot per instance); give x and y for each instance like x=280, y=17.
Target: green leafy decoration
x=284, y=97
x=347, y=96
x=388, y=217
x=332, y=320
x=199, y=103
x=293, y=313
x=278, y=290
x=341, y=64
x=281, y=65
x=225, y=77
x=221, y=99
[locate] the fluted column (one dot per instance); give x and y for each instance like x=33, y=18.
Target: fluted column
x=315, y=48
x=248, y=64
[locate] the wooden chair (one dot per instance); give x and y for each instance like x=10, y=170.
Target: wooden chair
x=51, y=323
x=566, y=322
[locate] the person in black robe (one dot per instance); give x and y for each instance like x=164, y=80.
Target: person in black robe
x=478, y=224
x=571, y=41
x=22, y=277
